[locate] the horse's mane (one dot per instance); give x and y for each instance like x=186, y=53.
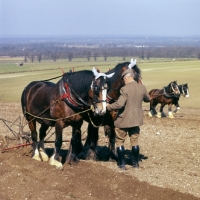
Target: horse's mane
x=137, y=70
x=80, y=81
x=117, y=70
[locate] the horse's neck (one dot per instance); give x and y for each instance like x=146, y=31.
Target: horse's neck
x=114, y=92
x=168, y=88
x=180, y=87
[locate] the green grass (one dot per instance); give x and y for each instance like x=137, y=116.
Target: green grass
x=155, y=74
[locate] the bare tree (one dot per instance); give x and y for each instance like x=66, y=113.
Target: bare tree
x=95, y=56
x=88, y=55
x=39, y=57
x=25, y=58
x=32, y=57
x=54, y=56
x=105, y=55
x=70, y=56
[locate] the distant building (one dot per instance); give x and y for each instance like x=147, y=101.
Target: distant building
x=20, y=64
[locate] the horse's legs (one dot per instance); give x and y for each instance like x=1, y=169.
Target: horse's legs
x=152, y=110
x=110, y=132
x=42, y=135
x=35, y=153
x=170, y=111
x=161, y=113
x=54, y=160
x=75, y=144
x=177, y=106
x=91, y=142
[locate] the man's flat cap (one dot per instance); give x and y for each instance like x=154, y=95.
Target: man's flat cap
x=127, y=71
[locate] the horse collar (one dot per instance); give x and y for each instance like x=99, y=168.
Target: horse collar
x=66, y=96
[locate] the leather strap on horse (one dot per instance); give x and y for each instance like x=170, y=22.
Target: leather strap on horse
x=93, y=122
x=50, y=119
x=169, y=95
x=109, y=99
x=66, y=95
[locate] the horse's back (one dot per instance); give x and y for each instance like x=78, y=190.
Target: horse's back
x=154, y=91
x=35, y=93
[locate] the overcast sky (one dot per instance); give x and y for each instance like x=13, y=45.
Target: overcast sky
x=100, y=17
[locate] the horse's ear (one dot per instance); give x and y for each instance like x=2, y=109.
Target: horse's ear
x=94, y=72
x=132, y=63
x=110, y=75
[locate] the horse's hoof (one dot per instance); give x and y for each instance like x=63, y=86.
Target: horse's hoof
x=90, y=155
x=36, y=155
x=158, y=115
x=44, y=155
x=55, y=163
x=171, y=116
x=150, y=115
x=72, y=160
x=177, y=110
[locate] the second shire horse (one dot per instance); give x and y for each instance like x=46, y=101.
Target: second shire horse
x=184, y=91
x=164, y=97
x=114, y=84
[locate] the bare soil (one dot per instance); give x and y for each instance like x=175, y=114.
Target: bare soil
x=169, y=164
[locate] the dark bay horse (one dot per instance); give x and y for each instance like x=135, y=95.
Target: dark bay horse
x=60, y=105
x=115, y=83
x=164, y=97
x=184, y=91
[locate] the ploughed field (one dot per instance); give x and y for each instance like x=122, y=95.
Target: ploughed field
x=169, y=165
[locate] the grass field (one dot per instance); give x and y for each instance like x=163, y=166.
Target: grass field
x=155, y=74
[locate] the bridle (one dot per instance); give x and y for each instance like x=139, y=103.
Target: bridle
x=96, y=89
x=183, y=88
x=175, y=89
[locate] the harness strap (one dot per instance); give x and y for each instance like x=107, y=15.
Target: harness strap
x=169, y=95
x=68, y=95
x=109, y=99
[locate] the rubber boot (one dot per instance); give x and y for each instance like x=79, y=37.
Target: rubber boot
x=135, y=153
x=121, y=159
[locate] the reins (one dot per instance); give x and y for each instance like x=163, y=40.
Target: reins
x=93, y=123
x=37, y=117
x=157, y=95
x=52, y=78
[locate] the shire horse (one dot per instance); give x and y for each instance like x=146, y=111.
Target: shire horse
x=114, y=85
x=60, y=105
x=184, y=91
x=164, y=96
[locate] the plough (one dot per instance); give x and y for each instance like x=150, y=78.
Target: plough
x=19, y=138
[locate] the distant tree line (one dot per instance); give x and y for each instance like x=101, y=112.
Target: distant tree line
x=54, y=51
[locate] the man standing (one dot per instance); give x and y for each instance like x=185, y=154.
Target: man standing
x=129, y=117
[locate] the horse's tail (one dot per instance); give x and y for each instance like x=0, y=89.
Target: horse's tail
x=23, y=102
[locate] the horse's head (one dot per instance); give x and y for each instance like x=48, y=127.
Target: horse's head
x=99, y=91
x=174, y=88
x=185, y=90
x=115, y=83
x=136, y=71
